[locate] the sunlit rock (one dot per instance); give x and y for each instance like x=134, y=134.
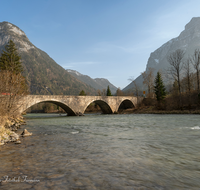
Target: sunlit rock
x=26, y=133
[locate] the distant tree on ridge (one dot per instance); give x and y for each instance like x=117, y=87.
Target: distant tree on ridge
x=108, y=91
x=82, y=93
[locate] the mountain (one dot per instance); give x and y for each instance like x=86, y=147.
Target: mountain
x=43, y=74
x=188, y=40
x=97, y=83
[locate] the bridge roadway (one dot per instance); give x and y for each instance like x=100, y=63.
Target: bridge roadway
x=76, y=105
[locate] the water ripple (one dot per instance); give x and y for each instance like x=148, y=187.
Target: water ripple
x=106, y=152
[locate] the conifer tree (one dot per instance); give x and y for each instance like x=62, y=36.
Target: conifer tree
x=108, y=91
x=12, y=84
x=82, y=93
x=10, y=59
x=159, y=88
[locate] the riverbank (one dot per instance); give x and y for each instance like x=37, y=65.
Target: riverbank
x=8, y=129
x=151, y=106
x=153, y=110
x=149, y=111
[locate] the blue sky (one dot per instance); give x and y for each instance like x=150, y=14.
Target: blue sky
x=109, y=39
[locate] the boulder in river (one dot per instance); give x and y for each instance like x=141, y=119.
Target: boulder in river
x=80, y=114
x=26, y=133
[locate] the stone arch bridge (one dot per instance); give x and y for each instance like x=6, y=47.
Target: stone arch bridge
x=76, y=105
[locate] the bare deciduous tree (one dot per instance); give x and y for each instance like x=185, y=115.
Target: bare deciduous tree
x=196, y=65
x=119, y=92
x=12, y=87
x=188, y=76
x=103, y=93
x=175, y=60
x=148, y=77
x=98, y=92
x=136, y=87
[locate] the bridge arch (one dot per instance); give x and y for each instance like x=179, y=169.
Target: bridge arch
x=66, y=108
x=106, y=109
x=76, y=105
x=126, y=104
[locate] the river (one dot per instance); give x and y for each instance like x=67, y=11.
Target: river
x=104, y=152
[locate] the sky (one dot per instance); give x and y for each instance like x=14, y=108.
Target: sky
x=110, y=39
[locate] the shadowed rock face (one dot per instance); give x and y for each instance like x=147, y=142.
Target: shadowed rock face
x=188, y=40
x=76, y=105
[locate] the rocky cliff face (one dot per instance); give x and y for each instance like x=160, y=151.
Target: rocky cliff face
x=44, y=75
x=10, y=31
x=188, y=40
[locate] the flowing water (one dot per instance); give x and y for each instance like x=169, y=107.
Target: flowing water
x=104, y=152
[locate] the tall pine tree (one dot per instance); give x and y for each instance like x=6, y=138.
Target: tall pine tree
x=10, y=59
x=159, y=88
x=108, y=91
x=12, y=84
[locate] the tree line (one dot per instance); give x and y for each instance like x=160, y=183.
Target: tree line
x=185, y=88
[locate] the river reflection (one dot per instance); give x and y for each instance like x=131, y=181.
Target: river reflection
x=104, y=152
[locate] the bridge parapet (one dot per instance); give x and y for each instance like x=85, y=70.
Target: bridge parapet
x=75, y=105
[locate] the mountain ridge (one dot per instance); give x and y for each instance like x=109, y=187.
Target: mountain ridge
x=188, y=40
x=97, y=83
x=43, y=74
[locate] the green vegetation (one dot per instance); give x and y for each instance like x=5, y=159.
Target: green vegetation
x=82, y=93
x=159, y=88
x=10, y=59
x=108, y=93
